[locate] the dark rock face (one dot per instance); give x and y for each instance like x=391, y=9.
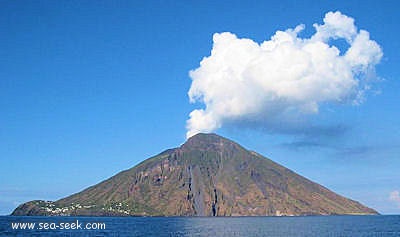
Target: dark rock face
x=207, y=176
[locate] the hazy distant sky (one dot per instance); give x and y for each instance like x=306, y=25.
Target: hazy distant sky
x=88, y=89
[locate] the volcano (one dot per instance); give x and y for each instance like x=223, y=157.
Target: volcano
x=207, y=176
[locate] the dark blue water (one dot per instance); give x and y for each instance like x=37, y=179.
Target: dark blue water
x=318, y=226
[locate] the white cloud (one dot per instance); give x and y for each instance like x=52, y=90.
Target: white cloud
x=336, y=25
x=281, y=78
x=395, y=197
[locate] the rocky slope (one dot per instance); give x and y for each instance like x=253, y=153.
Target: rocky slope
x=207, y=176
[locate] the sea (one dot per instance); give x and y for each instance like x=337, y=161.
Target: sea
x=307, y=226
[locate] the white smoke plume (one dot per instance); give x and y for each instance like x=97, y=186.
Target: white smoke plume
x=286, y=76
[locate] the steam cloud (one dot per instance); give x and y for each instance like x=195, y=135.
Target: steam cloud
x=284, y=77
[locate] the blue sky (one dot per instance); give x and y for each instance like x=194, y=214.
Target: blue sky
x=90, y=89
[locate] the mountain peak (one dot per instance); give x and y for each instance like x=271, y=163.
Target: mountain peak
x=210, y=137
x=209, y=141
